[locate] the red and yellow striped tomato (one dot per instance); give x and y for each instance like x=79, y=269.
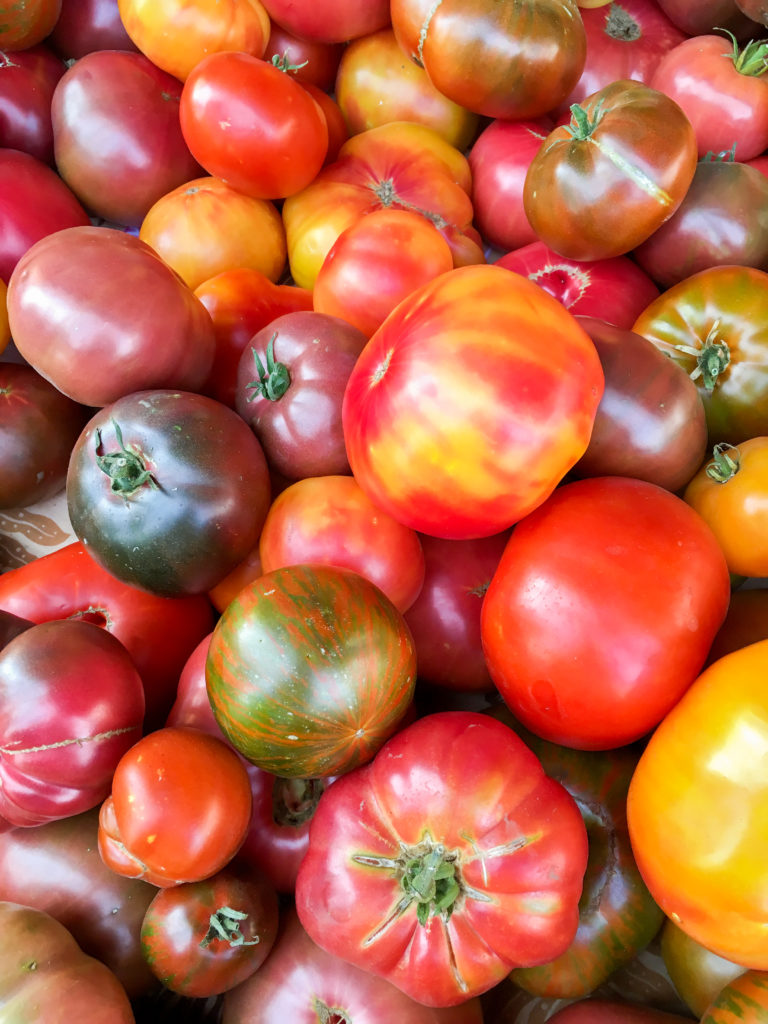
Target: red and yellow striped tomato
x=470, y=403
x=697, y=813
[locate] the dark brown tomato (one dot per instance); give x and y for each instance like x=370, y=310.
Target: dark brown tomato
x=10, y=626
x=38, y=428
x=650, y=423
x=290, y=385
x=27, y=81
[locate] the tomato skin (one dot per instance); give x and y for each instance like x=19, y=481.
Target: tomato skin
x=27, y=83
x=548, y=624
x=601, y=185
x=444, y=458
x=24, y=23
x=183, y=949
x=318, y=62
x=701, y=18
x=341, y=676
x=330, y=21
x=87, y=25
x=179, y=808
x=606, y=1011
x=701, y=867
x=743, y=999
x=745, y=623
x=249, y=123
x=697, y=974
x=352, y=893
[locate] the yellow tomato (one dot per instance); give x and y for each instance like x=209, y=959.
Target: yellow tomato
x=698, y=809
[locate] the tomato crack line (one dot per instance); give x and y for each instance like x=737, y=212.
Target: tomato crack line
x=639, y=177
x=423, y=32
x=96, y=738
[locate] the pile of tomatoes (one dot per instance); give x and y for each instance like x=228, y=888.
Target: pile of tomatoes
x=402, y=369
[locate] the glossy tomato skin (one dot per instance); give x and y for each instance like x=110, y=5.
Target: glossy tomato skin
x=581, y=653
x=700, y=866
x=179, y=808
x=59, y=754
x=203, y=938
x=650, y=423
x=315, y=62
x=373, y=832
x=698, y=974
x=713, y=324
x=88, y=335
x=601, y=185
x=443, y=411
x=606, y=1011
x=249, y=123
x=173, y=501
x=341, y=674
x=330, y=21
x=158, y=632
x=27, y=82
x=87, y=25
x=38, y=428
x=743, y=998
x=745, y=623
x=300, y=982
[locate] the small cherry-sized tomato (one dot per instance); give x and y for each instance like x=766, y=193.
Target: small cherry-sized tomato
x=179, y=808
x=247, y=121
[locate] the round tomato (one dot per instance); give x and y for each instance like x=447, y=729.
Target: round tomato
x=745, y=998
x=88, y=25
x=330, y=21
x=27, y=82
x=606, y=1011
x=455, y=422
x=315, y=62
x=697, y=810
x=25, y=23
x=697, y=973
x=602, y=610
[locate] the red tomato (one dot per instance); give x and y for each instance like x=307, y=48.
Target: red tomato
x=245, y=120
x=179, y=808
x=315, y=62
x=27, y=81
x=602, y=610
x=454, y=421
x=606, y=1011
x=88, y=25
x=330, y=21
x=447, y=861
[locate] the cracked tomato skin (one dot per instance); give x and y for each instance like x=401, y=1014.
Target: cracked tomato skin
x=448, y=860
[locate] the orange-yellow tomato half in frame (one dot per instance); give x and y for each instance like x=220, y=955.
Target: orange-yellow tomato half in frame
x=698, y=813
x=470, y=403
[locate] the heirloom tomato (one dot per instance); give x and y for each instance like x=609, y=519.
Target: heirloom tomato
x=24, y=23
x=744, y=999
x=606, y=1011
x=314, y=62
x=45, y=976
x=583, y=655
x=179, y=808
x=310, y=669
x=730, y=493
x=448, y=860
x=330, y=21
x=697, y=973
x=470, y=403
x=602, y=184
x=715, y=325
x=88, y=25
x=697, y=811
x=707, y=15
x=745, y=623
x=27, y=81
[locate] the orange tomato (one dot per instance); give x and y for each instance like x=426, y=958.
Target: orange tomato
x=742, y=1001
x=205, y=227
x=697, y=809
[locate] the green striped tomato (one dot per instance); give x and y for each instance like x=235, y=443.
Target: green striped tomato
x=310, y=669
x=744, y=1000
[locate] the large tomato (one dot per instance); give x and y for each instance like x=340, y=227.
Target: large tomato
x=697, y=810
x=310, y=669
x=745, y=998
x=447, y=861
x=470, y=403
x=330, y=21
x=88, y=25
x=602, y=184
x=602, y=610
x=27, y=81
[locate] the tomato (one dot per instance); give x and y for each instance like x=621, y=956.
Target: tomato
x=338, y=132
x=696, y=809
x=444, y=412
x=87, y=25
x=27, y=82
x=5, y=331
x=330, y=21
x=56, y=867
x=168, y=489
x=341, y=670
x=707, y=15
x=38, y=428
x=745, y=623
x=204, y=228
x=203, y=938
x=314, y=61
x=44, y=975
x=650, y=423
x=74, y=315
x=743, y=999
x=612, y=581
x=444, y=896
x=720, y=88
x=399, y=165
x=377, y=262
x=602, y=184
x=290, y=384
x=714, y=325
x=10, y=626
x=615, y=289
x=177, y=34
x=329, y=520
x=59, y=753
x=158, y=632
x=116, y=134
x=375, y=85
x=179, y=808
x=246, y=121
x=605, y=1011
x=697, y=974
x=498, y=60
x=24, y=23
x=303, y=984
x=754, y=9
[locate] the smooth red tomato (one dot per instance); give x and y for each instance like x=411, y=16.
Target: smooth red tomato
x=455, y=420
x=88, y=25
x=5, y=330
x=27, y=82
x=315, y=62
x=246, y=121
x=602, y=610
x=330, y=21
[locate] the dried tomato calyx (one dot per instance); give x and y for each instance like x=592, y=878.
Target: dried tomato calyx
x=711, y=359
x=273, y=381
x=725, y=464
x=224, y=924
x=125, y=468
